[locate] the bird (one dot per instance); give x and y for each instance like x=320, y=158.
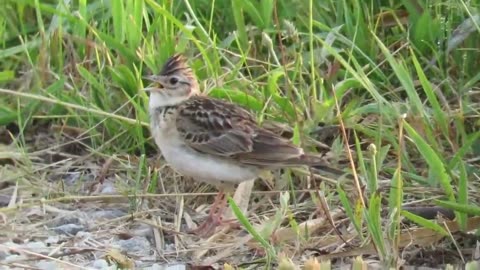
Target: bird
x=213, y=140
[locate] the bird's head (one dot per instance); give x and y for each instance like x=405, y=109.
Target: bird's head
x=175, y=83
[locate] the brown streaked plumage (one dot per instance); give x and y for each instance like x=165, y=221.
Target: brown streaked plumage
x=213, y=140
x=227, y=130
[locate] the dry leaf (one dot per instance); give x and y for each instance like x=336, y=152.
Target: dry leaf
x=285, y=263
x=121, y=260
x=312, y=264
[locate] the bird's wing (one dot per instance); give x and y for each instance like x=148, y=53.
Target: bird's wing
x=223, y=129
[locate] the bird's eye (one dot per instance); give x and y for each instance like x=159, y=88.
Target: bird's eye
x=173, y=80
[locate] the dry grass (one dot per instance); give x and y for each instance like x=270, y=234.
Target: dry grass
x=60, y=183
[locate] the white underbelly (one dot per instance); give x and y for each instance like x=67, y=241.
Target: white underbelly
x=205, y=168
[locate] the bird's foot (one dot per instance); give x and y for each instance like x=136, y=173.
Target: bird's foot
x=215, y=218
x=208, y=227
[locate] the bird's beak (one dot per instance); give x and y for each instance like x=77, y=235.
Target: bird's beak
x=149, y=89
x=156, y=83
x=153, y=78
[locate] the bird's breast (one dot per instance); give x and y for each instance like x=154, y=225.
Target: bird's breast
x=162, y=125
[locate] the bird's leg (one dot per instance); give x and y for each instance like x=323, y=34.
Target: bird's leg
x=214, y=218
x=216, y=210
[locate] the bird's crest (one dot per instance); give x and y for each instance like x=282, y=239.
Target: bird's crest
x=176, y=63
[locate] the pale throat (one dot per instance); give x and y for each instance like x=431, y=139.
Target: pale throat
x=158, y=100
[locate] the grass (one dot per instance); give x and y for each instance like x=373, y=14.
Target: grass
x=398, y=81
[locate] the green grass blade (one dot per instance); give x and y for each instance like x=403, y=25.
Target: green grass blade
x=267, y=12
x=238, y=97
x=374, y=224
x=433, y=160
x=464, y=149
x=356, y=219
x=401, y=72
x=425, y=223
x=239, y=19
x=462, y=195
x=438, y=113
x=98, y=92
x=79, y=29
x=253, y=12
x=7, y=115
x=118, y=17
x=460, y=207
x=135, y=22
x=250, y=229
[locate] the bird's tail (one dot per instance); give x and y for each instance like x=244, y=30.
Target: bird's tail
x=315, y=162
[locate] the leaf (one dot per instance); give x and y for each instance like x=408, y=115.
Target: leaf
x=434, y=161
x=97, y=89
x=357, y=220
x=267, y=12
x=134, y=21
x=118, y=17
x=460, y=207
x=343, y=86
x=285, y=105
x=401, y=72
x=241, y=33
x=463, y=195
x=250, y=229
x=438, y=113
x=273, y=224
x=122, y=261
x=238, y=97
x=374, y=223
x=424, y=32
x=124, y=78
x=7, y=115
x=395, y=200
x=253, y=12
x=425, y=223
x=7, y=75
x=272, y=83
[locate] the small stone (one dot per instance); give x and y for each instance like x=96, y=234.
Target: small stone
x=100, y=264
x=70, y=218
x=142, y=230
x=157, y=266
x=53, y=239
x=47, y=265
x=71, y=178
x=3, y=254
x=83, y=234
x=137, y=245
x=176, y=267
x=170, y=247
x=107, y=214
x=108, y=188
x=69, y=229
x=14, y=257
x=35, y=245
x=39, y=247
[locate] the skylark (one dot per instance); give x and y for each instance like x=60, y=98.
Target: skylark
x=212, y=140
